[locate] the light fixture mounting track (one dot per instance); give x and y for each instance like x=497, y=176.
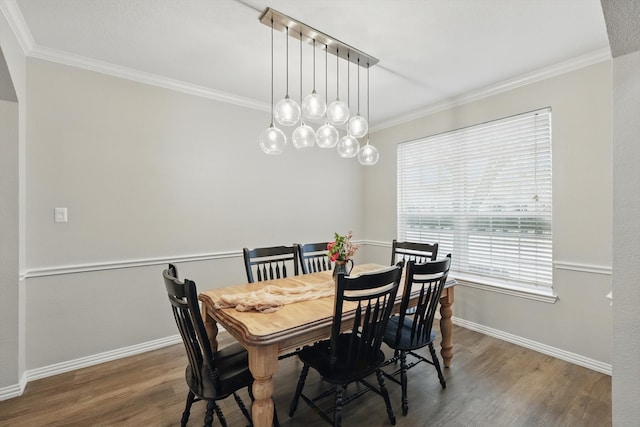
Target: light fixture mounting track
x=298, y=29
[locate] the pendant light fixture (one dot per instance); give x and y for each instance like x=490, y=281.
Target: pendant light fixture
x=358, y=126
x=287, y=110
x=338, y=111
x=272, y=140
x=304, y=136
x=313, y=106
x=348, y=146
x=368, y=155
x=326, y=135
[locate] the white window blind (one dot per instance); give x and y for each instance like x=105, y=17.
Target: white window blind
x=484, y=194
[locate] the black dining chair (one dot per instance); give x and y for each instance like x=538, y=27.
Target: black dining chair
x=313, y=257
x=362, y=306
x=413, y=251
x=210, y=375
x=270, y=263
x=407, y=333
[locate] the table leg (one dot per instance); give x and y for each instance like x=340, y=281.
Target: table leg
x=211, y=326
x=263, y=362
x=446, y=327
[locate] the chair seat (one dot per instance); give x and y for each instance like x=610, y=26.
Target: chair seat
x=231, y=362
x=347, y=369
x=405, y=343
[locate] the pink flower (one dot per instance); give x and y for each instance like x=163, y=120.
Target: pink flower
x=341, y=249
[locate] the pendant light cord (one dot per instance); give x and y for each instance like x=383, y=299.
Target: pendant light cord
x=314, y=65
x=348, y=79
x=286, y=35
x=368, y=114
x=301, y=68
x=337, y=74
x=326, y=73
x=358, y=85
x=271, y=72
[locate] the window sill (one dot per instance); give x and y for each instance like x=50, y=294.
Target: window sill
x=547, y=297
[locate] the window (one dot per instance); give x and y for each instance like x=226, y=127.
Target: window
x=484, y=194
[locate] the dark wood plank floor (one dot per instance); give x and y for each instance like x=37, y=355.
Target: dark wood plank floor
x=491, y=383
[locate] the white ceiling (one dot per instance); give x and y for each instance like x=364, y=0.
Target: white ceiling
x=431, y=52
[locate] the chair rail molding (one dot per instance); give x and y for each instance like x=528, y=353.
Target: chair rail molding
x=584, y=268
x=116, y=265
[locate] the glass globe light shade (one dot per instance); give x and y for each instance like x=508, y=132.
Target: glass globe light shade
x=313, y=106
x=303, y=136
x=338, y=112
x=358, y=126
x=272, y=140
x=326, y=136
x=368, y=155
x=287, y=112
x=348, y=146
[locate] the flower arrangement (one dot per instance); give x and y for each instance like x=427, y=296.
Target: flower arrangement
x=341, y=249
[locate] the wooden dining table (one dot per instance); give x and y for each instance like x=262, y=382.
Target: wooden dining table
x=268, y=335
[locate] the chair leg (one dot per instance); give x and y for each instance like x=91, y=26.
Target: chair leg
x=223, y=421
x=250, y=391
x=187, y=410
x=276, y=423
x=436, y=363
x=337, y=414
x=208, y=418
x=403, y=382
x=296, y=396
x=242, y=407
x=385, y=395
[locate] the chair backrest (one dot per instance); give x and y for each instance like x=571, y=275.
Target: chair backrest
x=411, y=251
x=186, y=312
x=374, y=295
x=429, y=278
x=270, y=263
x=314, y=258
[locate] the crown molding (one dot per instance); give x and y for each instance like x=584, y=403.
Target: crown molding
x=12, y=14
x=17, y=23
x=107, y=68
x=560, y=68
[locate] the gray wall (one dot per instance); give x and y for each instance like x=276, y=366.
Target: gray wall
x=580, y=322
x=12, y=207
x=626, y=214
x=151, y=175
x=9, y=313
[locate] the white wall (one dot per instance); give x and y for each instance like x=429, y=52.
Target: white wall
x=150, y=175
x=579, y=323
x=626, y=229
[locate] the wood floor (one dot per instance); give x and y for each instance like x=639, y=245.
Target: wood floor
x=491, y=383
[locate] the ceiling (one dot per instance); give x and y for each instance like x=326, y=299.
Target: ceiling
x=431, y=52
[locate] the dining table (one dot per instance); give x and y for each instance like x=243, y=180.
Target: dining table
x=279, y=330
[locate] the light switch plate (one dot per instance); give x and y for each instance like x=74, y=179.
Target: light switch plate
x=60, y=214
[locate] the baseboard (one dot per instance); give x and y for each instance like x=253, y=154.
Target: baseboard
x=83, y=362
x=14, y=390
x=536, y=346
